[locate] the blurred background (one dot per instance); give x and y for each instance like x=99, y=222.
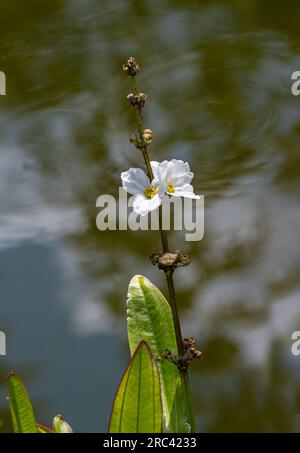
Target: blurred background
x=218, y=76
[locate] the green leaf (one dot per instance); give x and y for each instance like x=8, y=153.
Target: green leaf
x=23, y=418
x=149, y=318
x=13, y=417
x=60, y=425
x=137, y=407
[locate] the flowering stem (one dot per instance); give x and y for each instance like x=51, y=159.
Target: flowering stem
x=185, y=352
x=163, y=233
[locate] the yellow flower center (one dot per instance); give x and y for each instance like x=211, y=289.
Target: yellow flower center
x=171, y=188
x=149, y=192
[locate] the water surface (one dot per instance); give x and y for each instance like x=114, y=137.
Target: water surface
x=218, y=78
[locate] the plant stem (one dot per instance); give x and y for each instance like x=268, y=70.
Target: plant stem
x=163, y=233
x=165, y=246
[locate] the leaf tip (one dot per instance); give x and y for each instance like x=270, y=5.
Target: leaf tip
x=13, y=375
x=136, y=280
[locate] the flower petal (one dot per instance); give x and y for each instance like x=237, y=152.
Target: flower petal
x=178, y=173
x=142, y=205
x=155, y=167
x=185, y=191
x=160, y=171
x=134, y=181
x=159, y=180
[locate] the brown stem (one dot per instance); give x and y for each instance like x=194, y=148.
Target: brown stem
x=172, y=302
x=171, y=288
x=147, y=162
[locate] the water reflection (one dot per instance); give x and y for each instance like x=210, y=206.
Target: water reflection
x=219, y=83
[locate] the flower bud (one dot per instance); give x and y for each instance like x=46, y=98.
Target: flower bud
x=142, y=99
x=165, y=353
x=196, y=353
x=131, y=67
x=188, y=342
x=147, y=138
x=132, y=99
x=133, y=139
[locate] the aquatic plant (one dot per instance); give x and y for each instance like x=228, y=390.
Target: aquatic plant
x=154, y=393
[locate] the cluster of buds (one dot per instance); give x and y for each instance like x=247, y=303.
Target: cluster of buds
x=131, y=67
x=190, y=354
x=146, y=139
x=170, y=260
x=137, y=99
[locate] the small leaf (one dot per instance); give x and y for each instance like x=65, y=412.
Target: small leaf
x=149, y=318
x=43, y=429
x=60, y=425
x=20, y=406
x=137, y=407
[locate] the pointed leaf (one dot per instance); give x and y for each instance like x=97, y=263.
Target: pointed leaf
x=137, y=407
x=20, y=405
x=149, y=318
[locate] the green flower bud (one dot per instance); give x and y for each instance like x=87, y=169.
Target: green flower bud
x=147, y=138
x=133, y=139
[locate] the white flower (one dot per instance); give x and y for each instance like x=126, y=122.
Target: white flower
x=147, y=195
x=175, y=176
x=170, y=177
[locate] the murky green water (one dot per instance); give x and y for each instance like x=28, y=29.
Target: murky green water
x=218, y=78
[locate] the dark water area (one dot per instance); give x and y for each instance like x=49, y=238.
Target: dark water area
x=218, y=76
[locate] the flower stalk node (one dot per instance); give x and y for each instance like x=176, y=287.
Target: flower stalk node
x=131, y=67
x=137, y=99
x=170, y=260
x=182, y=362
